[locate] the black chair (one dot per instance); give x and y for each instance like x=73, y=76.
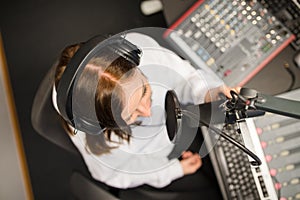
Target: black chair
x=84, y=188
x=47, y=122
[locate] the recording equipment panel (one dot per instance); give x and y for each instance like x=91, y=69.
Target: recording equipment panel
x=237, y=178
x=280, y=140
x=233, y=39
x=288, y=12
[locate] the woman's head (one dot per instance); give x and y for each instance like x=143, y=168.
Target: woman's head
x=110, y=90
x=137, y=97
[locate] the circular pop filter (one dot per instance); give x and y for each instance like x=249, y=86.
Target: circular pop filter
x=173, y=115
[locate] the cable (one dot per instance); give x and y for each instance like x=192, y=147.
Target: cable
x=291, y=73
x=256, y=161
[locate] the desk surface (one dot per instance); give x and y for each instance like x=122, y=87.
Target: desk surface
x=272, y=79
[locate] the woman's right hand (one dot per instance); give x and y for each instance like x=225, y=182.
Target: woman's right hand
x=214, y=93
x=190, y=162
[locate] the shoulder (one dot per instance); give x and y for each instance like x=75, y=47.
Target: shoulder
x=141, y=39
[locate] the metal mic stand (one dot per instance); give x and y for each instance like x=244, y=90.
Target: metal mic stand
x=250, y=103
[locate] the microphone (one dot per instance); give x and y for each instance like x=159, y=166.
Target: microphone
x=205, y=114
x=277, y=105
x=221, y=111
x=248, y=103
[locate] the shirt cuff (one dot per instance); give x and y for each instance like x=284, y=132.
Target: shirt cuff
x=176, y=169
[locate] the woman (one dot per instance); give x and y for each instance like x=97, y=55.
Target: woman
x=133, y=147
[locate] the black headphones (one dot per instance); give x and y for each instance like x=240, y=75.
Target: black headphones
x=88, y=50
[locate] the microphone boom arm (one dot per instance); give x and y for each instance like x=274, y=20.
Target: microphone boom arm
x=278, y=105
x=249, y=100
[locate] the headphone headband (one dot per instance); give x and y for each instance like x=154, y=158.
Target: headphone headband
x=89, y=49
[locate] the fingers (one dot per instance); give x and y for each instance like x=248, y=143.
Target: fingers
x=191, y=164
x=194, y=160
x=237, y=89
x=226, y=90
x=214, y=94
x=186, y=154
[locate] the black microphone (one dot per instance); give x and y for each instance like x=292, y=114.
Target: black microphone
x=221, y=111
x=203, y=114
x=277, y=105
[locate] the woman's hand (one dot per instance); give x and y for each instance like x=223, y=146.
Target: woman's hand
x=190, y=162
x=213, y=94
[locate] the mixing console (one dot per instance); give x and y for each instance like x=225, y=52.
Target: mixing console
x=288, y=12
x=232, y=39
x=280, y=139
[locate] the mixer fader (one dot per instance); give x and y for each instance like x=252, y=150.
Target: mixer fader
x=280, y=140
x=233, y=39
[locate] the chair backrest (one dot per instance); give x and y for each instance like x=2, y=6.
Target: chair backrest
x=47, y=123
x=44, y=118
x=85, y=188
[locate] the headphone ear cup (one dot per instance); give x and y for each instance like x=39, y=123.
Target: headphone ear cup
x=86, y=126
x=94, y=128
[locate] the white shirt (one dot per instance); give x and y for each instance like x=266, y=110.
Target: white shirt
x=144, y=160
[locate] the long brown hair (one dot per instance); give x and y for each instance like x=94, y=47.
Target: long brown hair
x=103, y=74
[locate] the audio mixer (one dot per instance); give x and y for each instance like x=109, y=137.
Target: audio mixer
x=280, y=140
x=231, y=39
x=288, y=12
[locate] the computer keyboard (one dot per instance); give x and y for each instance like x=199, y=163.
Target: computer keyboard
x=288, y=12
x=231, y=39
x=237, y=178
x=237, y=169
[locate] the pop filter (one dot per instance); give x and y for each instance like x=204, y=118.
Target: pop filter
x=173, y=115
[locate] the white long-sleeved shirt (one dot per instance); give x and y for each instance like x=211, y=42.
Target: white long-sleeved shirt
x=144, y=159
